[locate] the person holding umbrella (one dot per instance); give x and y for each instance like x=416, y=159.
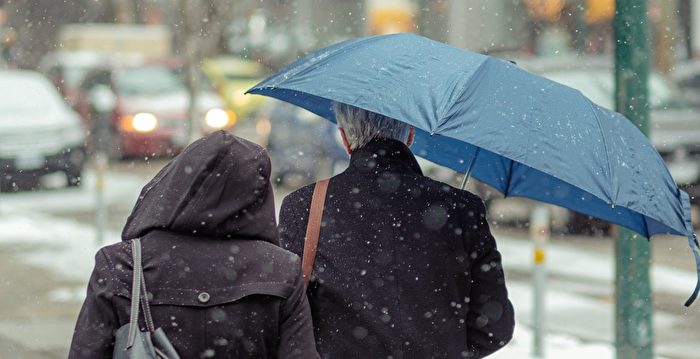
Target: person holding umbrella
x=405, y=266
x=522, y=134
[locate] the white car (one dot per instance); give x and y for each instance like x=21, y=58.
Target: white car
x=39, y=133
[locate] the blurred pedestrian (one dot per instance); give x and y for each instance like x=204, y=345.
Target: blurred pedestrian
x=405, y=266
x=218, y=283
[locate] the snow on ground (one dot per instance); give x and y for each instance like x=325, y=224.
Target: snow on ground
x=120, y=189
x=60, y=245
x=579, y=263
x=556, y=347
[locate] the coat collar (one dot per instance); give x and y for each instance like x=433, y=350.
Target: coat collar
x=383, y=155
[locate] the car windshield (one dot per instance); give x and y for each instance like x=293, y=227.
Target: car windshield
x=74, y=75
x=27, y=93
x=599, y=86
x=204, y=83
x=152, y=80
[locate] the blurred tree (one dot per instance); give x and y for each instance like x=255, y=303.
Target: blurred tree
x=36, y=23
x=685, y=18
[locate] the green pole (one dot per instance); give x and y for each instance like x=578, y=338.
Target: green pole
x=634, y=336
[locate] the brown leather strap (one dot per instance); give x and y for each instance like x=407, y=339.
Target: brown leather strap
x=313, y=229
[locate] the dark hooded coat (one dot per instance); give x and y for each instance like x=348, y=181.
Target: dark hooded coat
x=406, y=266
x=218, y=283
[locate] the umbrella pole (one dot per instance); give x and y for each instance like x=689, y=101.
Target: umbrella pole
x=469, y=169
x=540, y=233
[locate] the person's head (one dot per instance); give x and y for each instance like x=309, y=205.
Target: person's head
x=358, y=127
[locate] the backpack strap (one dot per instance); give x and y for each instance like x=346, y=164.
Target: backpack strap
x=313, y=229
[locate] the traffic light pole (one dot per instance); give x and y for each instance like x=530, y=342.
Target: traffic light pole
x=634, y=304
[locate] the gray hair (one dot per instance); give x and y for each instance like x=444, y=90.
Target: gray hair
x=362, y=126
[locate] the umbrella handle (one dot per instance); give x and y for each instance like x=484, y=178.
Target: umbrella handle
x=469, y=169
x=693, y=242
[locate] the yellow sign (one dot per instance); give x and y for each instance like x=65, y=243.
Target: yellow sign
x=539, y=256
x=599, y=10
x=391, y=20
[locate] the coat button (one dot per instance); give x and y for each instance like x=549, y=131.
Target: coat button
x=203, y=297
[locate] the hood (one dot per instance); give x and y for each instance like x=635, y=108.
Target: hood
x=218, y=187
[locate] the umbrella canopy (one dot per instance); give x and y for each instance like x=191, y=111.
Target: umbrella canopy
x=522, y=134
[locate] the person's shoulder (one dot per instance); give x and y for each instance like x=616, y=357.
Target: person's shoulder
x=299, y=199
x=460, y=196
x=300, y=195
x=114, y=251
x=284, y=264
x=279, y=254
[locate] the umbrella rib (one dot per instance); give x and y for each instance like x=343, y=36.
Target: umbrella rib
x=510, y=176
x=605, y=146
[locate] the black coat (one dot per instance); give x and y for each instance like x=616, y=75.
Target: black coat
x=207, y=225
x=406, y=266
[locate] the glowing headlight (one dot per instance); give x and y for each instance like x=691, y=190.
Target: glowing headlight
x=240, y=98
x=217, y=118
x=144, y=122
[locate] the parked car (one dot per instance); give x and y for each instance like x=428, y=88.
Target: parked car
x=151, y=114
x=39, y=132
x=303, y=146
x=232, y=77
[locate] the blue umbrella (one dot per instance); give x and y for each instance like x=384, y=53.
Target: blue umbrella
x=522, y=134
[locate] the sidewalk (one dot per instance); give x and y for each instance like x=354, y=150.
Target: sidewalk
x=580, y=293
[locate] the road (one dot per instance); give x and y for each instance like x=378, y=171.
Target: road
x=47, y=245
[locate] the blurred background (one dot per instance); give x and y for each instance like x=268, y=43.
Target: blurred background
x=97, y=95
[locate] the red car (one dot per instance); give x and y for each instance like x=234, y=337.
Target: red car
x=151, y=114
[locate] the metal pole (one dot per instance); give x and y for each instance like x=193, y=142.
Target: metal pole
x=634, y=304
x=193, y=25
x=100, y=205
x=104, y=102
x=101, y=165
x=539, y=231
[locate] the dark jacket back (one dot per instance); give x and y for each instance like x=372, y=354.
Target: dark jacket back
x=406, y=266
x=218, y=283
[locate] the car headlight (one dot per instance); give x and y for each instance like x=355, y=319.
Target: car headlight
x=140, y=122
x=217, y=118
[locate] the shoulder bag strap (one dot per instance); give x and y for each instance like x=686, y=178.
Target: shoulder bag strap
x=135, y=291
x=313, y=229
x=144, y=301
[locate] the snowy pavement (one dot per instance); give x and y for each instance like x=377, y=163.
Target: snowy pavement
x=37, y=230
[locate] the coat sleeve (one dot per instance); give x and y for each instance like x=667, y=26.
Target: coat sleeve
x=296, y=328
x=490, y=320
x=93, y=336
x=294, y=214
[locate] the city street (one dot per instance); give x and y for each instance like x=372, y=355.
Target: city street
x=48, y=243
x=564, y=116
